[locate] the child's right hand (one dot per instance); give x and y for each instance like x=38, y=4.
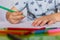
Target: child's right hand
x=14, y=17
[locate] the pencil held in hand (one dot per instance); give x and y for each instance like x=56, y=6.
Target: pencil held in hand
x=14, y=17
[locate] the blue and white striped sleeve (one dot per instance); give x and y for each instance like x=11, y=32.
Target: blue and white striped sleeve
x=58, y=5
x=20, y=4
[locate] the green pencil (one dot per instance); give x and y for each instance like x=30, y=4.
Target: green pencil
x=2, y=7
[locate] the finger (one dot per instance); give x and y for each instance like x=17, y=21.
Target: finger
x=14, y=21
x=14, y=14
x=50, y=22
x=18, y=17
x=38, y=23
x=20, y=13
x=17, y=13
x=43, y=22
x=35, y=21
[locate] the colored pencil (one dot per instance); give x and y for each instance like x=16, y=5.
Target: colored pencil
x=29, y=29
x=2, y=7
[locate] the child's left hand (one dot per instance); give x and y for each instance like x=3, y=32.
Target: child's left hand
x=49, y=19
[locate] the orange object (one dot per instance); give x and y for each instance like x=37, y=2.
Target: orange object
x=13, y=32
x=19, y=31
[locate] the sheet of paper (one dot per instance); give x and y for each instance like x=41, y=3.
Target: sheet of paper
x=21, y=25
x=25, y=24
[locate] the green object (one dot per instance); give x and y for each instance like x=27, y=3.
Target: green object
x=4, y=38
x=2, y=7
x=40, y=37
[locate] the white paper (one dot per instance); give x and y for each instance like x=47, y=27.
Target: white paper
x=26, y=25
x=20, y=25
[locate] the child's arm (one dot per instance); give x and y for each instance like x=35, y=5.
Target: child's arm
x=14, y=17
x=49, y=19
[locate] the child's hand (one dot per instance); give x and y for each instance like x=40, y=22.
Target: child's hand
x=49, y=19
x=15, y=17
